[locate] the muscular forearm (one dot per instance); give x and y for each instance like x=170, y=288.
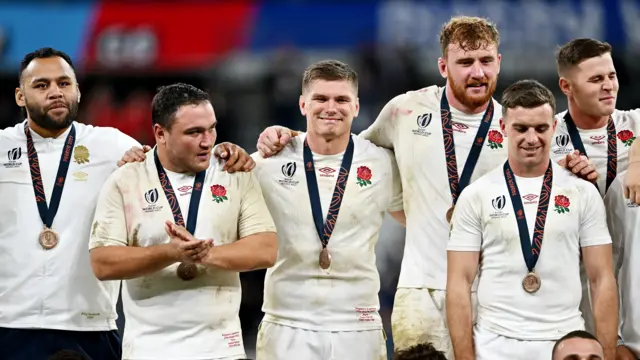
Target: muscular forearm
x=605, y=309
x=258, y=251
x=129, y=262
x=459, y=320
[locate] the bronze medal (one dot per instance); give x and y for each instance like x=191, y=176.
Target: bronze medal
x=187, y=272
x=48, y=239
x=449, y=214
x=531, y=283
x=325, y=259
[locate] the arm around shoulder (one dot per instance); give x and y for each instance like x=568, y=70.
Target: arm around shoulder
x=381, y=132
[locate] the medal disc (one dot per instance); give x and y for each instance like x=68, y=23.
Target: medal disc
x=449, y=214
x=187, y=272
x=48, y=239
x=531, y=283
x=325, y=259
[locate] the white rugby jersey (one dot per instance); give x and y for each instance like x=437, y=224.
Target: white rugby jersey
x=166, y=317
x=56, y=288
x=627, y=125
x=298, y=292
x=595, y=142
x=484, y=221
x=624, y=224
x=410, y=125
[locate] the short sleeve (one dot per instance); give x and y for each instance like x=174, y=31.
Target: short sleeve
x=396, y=185
x=593, y=218
x=109, y=226
x=466, y=223
x=123, y=143
x=381, y=132
x=254, y=214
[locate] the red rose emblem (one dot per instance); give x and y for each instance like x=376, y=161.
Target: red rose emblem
x=495, y=139
x=218, y=190
x=364, y=176
x=364, y=173
x=562, y=201
x=625, y=135
x=495, y=136
x=219, y=193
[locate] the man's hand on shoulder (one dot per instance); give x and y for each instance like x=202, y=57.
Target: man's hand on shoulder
x=273, y=139
x=235, y=158
x=580, y=166
x=135, y=154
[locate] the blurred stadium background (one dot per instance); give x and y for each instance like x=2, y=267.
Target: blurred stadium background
x=250, y=56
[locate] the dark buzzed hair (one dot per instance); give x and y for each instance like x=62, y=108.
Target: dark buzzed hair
x=43, y=53
x=329, y=70
x=420, y=352
x=170, y=98
x=578, y=50
x=528, y=94
x=576, y=334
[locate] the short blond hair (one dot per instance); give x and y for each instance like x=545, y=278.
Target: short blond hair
x=470, y=33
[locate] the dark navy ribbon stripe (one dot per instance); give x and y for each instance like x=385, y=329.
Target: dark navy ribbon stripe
x=530, y=249
x=48, y=213
x=612, y=146
x=456, y=185
x=326, y=229
x=194, y=203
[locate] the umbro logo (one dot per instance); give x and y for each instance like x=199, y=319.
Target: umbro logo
x=327, y=172
x=597, y=139
x=530, y=199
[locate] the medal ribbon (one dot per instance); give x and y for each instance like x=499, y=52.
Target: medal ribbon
x=326, y=229
x=48, y=213
x=530, y=249
x=194, y=203
x=457, y=185
x=612, y=147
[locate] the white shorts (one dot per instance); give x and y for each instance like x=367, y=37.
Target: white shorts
x=420, y=316
x=491, y=346
x=279, y=342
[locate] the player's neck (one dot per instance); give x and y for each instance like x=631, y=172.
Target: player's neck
x=166, y=162
x=585, y=121
x=528, y=171
x=323, y=145
x=45, y=133
x=456, y=104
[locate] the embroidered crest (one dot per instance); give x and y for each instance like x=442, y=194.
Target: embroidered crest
x=495, y=139
x=219, y=193
x=562, y=204
x=627, y=137
x=364, y=176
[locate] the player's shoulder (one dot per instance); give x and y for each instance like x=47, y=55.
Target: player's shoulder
x=366, y=150
x=14, y=133
x=487, y=181
x=569, y=180
x=111, y=140
x=427, y=94
x=627, y=118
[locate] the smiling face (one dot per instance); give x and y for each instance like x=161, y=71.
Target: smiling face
x=330, y=107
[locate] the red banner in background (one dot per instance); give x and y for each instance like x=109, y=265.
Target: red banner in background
x=166, y=36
